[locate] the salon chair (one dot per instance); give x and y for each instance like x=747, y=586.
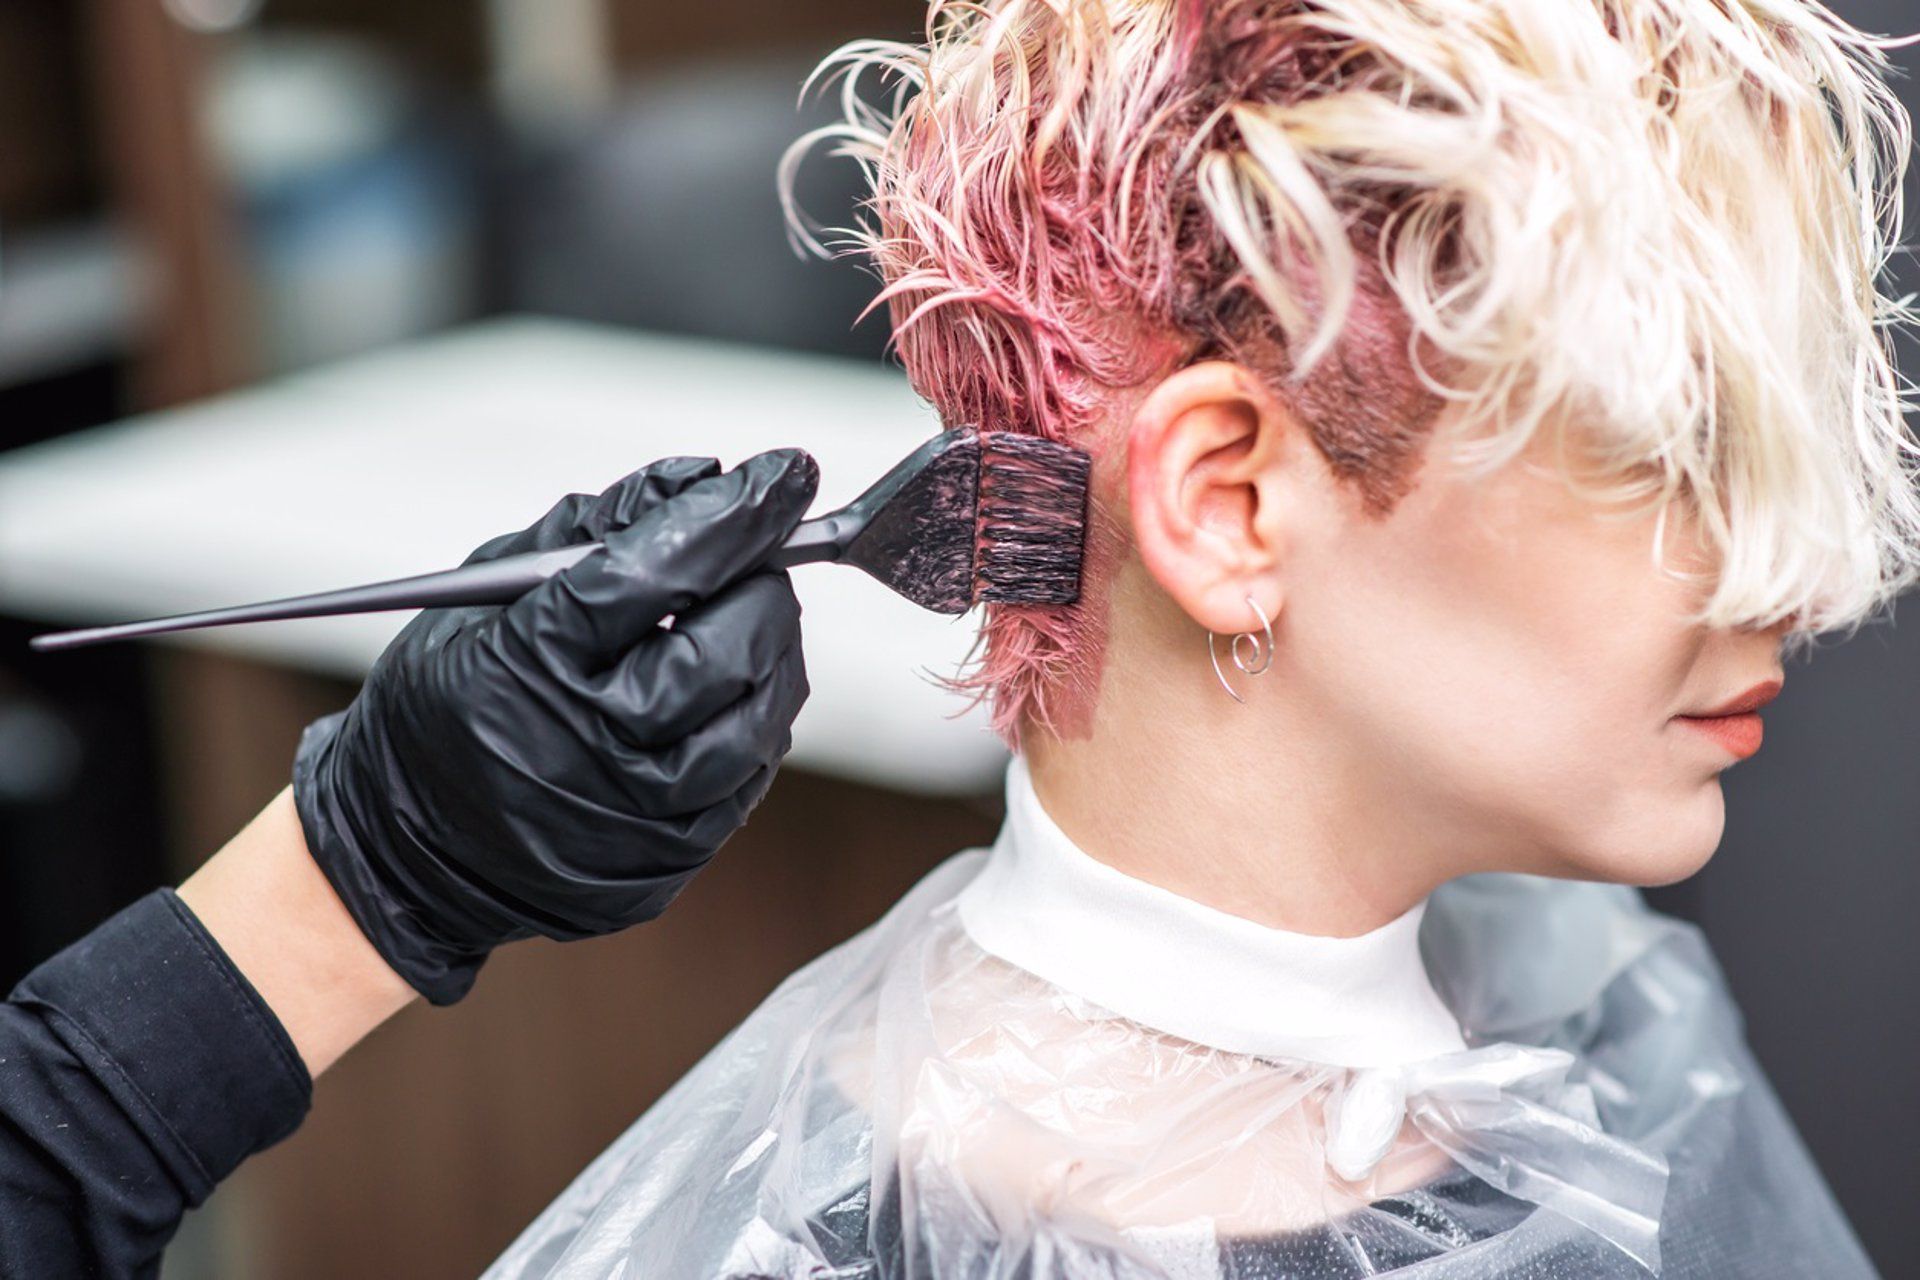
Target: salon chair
x=665, y=215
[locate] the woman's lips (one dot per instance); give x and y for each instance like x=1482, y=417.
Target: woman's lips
x=1739, y=734
x=1735, y=723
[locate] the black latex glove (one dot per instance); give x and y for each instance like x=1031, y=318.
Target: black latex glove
x=564, y=765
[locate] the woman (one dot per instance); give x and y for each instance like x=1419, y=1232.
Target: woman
x=1484, y=397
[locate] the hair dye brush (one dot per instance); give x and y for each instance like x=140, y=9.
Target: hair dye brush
x=969, y=516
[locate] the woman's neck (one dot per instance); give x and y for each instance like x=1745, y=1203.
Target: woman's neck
x=1277, y=829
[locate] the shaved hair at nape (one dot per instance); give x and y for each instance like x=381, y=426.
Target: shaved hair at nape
x=1664, y=222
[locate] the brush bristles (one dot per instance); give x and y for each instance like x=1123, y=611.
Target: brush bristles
x=1030, y=520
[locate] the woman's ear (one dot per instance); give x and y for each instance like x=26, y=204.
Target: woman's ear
x=1204, y=491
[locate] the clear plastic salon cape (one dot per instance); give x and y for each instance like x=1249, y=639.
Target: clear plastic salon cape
x=913, y=1105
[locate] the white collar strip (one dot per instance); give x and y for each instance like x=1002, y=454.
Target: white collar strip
x=1204, y=975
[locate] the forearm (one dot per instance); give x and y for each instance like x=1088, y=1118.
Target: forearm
x=280, y=922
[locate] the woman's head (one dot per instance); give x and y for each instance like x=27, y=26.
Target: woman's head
x=1527, y=363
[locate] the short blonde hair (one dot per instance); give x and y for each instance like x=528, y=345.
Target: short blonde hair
x=1667, y=220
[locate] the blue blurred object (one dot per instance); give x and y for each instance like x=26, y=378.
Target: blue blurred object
x=358, y=207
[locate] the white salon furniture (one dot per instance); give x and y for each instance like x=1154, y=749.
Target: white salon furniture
x=402, y=461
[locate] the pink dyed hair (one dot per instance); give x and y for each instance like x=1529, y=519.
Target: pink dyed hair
x=1044, y=241
x=1381, y=207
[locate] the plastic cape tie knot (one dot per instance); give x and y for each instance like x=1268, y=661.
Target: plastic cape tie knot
x=1363, y=1124
x=1489, y=1108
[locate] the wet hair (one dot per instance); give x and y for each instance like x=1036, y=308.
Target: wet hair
x=1667, y=221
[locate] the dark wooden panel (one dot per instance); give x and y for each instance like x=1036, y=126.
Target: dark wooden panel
x=48, y=165
x=146, y=77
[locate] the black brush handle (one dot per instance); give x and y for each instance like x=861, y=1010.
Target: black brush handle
x=823, y=538
x=488, y=582
x=504, y=580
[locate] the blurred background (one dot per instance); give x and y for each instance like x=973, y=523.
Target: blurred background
x=270, y=237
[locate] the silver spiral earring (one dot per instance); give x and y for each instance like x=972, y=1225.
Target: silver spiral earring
x=1251, y=653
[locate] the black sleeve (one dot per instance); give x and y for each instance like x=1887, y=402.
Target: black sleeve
x=137, y=1069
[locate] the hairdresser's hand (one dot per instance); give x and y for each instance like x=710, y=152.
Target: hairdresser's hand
x=564, y=765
